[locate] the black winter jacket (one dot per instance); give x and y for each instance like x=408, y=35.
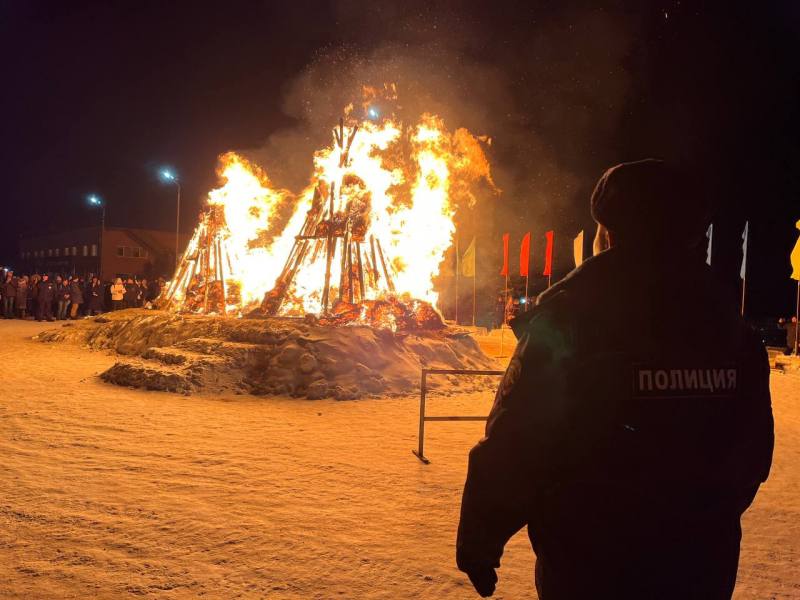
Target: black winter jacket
x=631, y=430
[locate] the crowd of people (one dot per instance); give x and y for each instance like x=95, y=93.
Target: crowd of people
x=47, y=297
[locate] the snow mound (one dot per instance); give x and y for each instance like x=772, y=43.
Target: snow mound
x=274, y=356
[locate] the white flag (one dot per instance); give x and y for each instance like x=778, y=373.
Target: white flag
x=710, y=236
x=577, y=249
x=743, y=270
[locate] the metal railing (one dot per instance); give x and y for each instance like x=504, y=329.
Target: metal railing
x=423, y=392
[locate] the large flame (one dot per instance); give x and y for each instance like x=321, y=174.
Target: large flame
x=411, y=179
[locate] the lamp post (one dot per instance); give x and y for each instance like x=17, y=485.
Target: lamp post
x=170, y=177
x=95, y=201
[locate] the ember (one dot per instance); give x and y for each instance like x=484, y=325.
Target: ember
x=388, y=313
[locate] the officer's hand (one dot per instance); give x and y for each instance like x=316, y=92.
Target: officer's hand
x=483, y=579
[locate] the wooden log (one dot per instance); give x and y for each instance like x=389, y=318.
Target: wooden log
x=343, y=279
x=317, y=248
x=174, y=285
x=346, y=154
x=218, y=263
x=350, y=290
x=300, y=247
x=360, y=271
x=389, y=281
x=331, y=248
x=375, y=271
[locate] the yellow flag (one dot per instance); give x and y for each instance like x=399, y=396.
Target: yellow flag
x=577, y=249
x=795, y=257
x=468, y=261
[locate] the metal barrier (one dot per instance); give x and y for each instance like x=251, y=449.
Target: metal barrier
x=420, y=451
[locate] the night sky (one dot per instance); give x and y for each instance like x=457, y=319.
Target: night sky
x=98, y=95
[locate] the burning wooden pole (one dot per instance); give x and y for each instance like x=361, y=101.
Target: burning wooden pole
x=331, y=248
x=360, y=272
x=389, y=281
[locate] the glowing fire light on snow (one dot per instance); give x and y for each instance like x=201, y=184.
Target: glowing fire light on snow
x=400, y=183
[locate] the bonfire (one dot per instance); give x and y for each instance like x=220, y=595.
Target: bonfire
x=362, y=243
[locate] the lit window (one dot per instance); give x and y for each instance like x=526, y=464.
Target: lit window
x=94, y=249
x=58, y=251
x=49, y=252
x=74, y=251
x=86, y=250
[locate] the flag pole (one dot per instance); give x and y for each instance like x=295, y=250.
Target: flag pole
x=505, y=316
x=457, y=274
x=797, y=319
x=527, y=275
x=475, y=280
x=526, y=292
x=744, y=287
x=743, y=273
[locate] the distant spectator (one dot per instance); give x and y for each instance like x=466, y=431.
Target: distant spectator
x=95, y=293
x=143, y=292
x=499, y=312
x=75, y=297
x=9, y=293
x=791, y=334
x=117, y=295
x=62, y=298
x=131, y=293
x=46, y=293
x=33, y=292
x=22, y=297
x=154, y=290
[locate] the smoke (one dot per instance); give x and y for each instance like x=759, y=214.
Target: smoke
x=548, y=94
x=549, y=102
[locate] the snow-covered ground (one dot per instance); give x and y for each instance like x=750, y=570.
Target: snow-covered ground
x=108, y=492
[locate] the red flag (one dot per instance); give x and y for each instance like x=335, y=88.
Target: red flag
x=525, y=254
x=548, y=255
x=504, y=270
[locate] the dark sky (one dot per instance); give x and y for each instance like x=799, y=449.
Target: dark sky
x=97, y=95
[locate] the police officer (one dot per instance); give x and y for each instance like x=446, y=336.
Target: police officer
x=45, y=295
x=633, y=426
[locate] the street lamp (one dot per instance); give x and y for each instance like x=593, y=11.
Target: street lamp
x=170, y=177
x=96, y=201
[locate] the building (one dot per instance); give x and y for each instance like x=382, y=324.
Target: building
x=110, y=251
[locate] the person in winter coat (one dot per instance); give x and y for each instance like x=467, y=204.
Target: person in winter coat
x=131, y=293
x=62, y=298
x=117, y=295
x=22, y=297
x=633, y=426
x=75, y=297
x=94, y=292
x=142, y=293
x=45, y=294
x=154, y=290
x=33, y=292
x=9, y=295
x=790, y=327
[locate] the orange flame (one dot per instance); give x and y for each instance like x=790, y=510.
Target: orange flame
x=412, y=178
